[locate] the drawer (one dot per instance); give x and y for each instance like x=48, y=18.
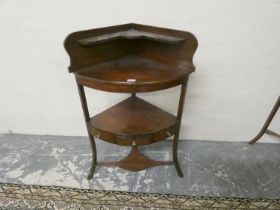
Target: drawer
x=128, y=140
x=163, y=134
x=103, y=135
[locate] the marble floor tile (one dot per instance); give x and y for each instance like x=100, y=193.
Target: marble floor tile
x=210, y=168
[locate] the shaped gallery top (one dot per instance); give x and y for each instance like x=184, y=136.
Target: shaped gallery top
x=131, y=57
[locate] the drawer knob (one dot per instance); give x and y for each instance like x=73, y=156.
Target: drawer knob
x=133, y=143
x=168, y=133
x=97, y=135
x=131, y=80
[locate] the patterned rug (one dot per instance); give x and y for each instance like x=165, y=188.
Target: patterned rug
x=22, y=197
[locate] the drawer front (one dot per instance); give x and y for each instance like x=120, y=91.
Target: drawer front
x=129, y=140
x=103, y=135
x=134, y=140
x=163, y=134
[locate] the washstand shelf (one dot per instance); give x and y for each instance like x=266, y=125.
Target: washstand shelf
x=132, y=58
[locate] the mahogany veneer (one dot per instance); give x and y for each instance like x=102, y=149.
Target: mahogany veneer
x=132, y=58
x=149, y=75
x=133, y=120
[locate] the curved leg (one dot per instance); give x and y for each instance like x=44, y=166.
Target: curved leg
x=267, y=122
x=87, y=120
x=94, y=157
x=175, y=157
x=179, y=118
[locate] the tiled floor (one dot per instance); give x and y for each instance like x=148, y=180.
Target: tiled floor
x=210, y=168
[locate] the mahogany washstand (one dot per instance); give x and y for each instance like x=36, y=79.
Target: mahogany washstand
x=132, y=58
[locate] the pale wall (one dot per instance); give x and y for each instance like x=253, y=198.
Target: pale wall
x=229, y=96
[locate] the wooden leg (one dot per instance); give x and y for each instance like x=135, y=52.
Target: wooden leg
x=175, y=157
x=179, y=118
x=87, y=120
x=94, y=157
x=269, y=132
x=267, y=122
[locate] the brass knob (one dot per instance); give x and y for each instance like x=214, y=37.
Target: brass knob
x=131, y=80
x=168, y=133
x=97, y=135
x=133, y=143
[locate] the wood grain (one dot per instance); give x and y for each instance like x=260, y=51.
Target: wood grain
x=133, y=120
x=132, y=58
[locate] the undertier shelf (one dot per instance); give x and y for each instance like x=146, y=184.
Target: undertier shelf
x=133, y=121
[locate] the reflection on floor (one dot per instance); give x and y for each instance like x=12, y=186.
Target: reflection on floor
x=210, y=168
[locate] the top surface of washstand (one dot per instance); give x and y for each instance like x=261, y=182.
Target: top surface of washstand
x=131, y=57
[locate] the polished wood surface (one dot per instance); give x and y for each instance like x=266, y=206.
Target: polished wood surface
x=133, y=120
x=133, y=71
x=135, y=161
x=132, y=58
x=130, y=34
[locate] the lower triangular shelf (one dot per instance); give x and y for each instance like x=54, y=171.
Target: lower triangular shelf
x=133, y=120
x=135, y=161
